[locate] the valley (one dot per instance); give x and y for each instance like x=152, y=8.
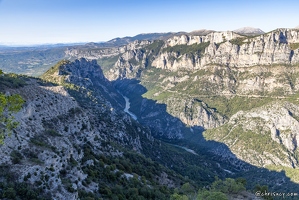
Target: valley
x=155, y=116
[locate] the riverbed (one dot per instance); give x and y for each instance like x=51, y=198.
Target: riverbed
x=128, y=107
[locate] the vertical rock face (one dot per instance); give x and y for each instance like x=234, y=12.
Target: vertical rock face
x=87, y=75
x=266, y=49
x=221, y=48
x=128, y=65
x=82, y=69
x=194, y=113
x=214, y=37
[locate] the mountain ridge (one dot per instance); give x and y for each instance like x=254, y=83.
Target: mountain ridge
x=249, y=31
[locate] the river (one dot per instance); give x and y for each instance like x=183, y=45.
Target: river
x=135, y=118
x=185, y=148
x=128, y=107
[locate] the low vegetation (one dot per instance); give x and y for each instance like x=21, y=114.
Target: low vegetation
x=292, y=173
x=187, y=49
x=294, y=46
x=33, y=62
x=9, y=104
x=238, y=41
x=154, y=48
x=50, y=74
x=219, y=189
x=230, y=106
x=107, y=63
x=10, y=188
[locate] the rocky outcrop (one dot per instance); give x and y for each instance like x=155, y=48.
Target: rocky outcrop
x=263, y=136
x=128, y=65
x=194, y=113
x=272, y=48
x=87, y=76
x=281, y=120
x=172, y=61
x=214, y=37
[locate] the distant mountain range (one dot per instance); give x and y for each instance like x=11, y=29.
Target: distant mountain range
x=144, y=36
x=46, y=45
x=120, y=41
x=249, y=31
x=164, y=36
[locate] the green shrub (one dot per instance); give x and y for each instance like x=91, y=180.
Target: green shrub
x=228, y=186
x=16, y=157
x=52, y=132
x=8, y=105
x=187, y=49
x=238, y=41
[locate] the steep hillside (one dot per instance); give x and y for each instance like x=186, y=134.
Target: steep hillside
x=71, y=142
x=74, y=141
x=269, y=133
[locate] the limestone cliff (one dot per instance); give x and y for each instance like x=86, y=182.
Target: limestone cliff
x=233, y=50
x=269, y=133
x=194, y=112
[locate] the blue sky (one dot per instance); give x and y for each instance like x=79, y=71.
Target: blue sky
x=56, y=21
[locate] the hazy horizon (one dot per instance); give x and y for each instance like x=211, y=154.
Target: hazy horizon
x=35, y=22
